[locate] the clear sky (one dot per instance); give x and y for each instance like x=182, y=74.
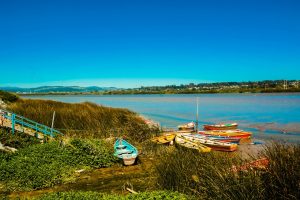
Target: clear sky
x=128, y=43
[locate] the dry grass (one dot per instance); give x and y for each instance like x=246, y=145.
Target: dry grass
x=210, y=176
x=84, y=119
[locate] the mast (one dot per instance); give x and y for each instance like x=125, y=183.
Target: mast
x=197, y=115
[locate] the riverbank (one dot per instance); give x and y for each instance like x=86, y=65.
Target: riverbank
x=88, y=165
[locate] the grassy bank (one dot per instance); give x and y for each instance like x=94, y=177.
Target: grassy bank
x=8, y=97
x=85, y=120
x=210, y=176
x=44, y=165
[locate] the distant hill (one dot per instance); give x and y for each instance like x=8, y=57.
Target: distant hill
x=57, y=89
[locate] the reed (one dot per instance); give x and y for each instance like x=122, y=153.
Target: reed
x=8, y=97
x=210, y=176
x=85, y=120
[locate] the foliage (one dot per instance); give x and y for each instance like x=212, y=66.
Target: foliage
x=84, y=119
x=218, y=87
x=45, y=165
x=210, y=176
x=95, y=196
x=8, y=97
x=18, y=140
x=282, y=179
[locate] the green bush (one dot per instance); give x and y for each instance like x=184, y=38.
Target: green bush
x=18, y=140
x=45, y=165
x=158, y=195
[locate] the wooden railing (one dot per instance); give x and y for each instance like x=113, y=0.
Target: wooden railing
x=27, y=123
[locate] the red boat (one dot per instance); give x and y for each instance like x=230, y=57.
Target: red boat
x=228, y=133
x=221, y=126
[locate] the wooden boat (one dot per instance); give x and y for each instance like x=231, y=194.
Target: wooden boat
x=215, y=145
x=221, y=138
x=125, y=151
x=164, y=139
x=187, y=127
x=179, y=139
x=220, y=126
x=230, y=133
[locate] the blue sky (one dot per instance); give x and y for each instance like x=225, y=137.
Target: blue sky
x=147, y=42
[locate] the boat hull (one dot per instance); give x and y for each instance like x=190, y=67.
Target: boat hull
x=221, y=127
x=187, y=127
x=231, y=134
x=125, y=151
x=190, y=144
x=164, y=139
x=215, y=145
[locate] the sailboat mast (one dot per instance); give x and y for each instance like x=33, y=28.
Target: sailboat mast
x=197, y=115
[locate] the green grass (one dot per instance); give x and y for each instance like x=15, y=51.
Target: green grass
x=45, y=165
x=85, y=120
x=157, y=195
x=209, y=176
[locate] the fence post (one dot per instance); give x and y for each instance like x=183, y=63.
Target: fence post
x=13, y=123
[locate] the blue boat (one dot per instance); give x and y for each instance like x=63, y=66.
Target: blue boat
x=125, y=151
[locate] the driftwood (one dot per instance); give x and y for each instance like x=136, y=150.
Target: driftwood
x=7, y=148
x=131, y=191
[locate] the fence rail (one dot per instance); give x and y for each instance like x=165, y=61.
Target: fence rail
x=27, y=123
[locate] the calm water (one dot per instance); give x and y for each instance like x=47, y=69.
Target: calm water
x=267, y=115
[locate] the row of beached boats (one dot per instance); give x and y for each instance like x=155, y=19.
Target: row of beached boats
x=218, y=137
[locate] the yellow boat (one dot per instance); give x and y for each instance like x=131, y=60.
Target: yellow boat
x=190, y=144
x=164, y=139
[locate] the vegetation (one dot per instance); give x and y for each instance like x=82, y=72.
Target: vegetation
x=19, y=140
x=211, y=88
x=8, y=97
x=85, y=120
x=266, y=86
x=179, y=173
x=210, y=176
x=44, y=165
x=163, y=195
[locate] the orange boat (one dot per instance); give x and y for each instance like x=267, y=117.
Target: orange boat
x=220, y=126
x=228, y=133
x=261, y=163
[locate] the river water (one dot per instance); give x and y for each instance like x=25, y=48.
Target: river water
x=268, y=116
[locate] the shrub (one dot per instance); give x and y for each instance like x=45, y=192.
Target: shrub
x=45, y=165
x=18, y=140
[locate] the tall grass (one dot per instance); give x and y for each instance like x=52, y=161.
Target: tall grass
x=8, y=97
x=210, y=176
x=282, y=179
x=84, y=119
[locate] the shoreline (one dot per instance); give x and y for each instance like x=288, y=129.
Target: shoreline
x=129, y=94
